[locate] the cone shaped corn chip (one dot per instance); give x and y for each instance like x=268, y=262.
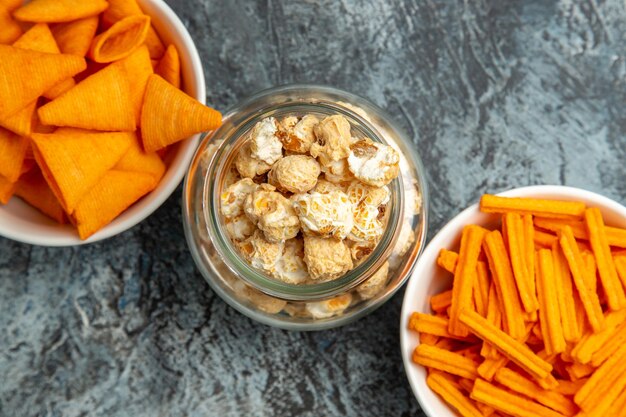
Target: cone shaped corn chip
x=120, y=40
x=54, y=11
x=10, y=30
x=12, y=152
x=169, y=66
x=119, y=9
x=21, y=122
x=136, y=160
x=75, y=37
x=73, y=160
x=169, y=115
x=139, y=69
x=33, y=189
x=116, y=192
x=28, y=74
x=7, y=188
x=100, y=102
x=39, y=38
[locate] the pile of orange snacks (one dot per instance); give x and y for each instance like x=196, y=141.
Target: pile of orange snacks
x=535, y=322
x=90, y=101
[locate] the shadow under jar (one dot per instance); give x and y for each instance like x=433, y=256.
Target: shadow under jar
x=254, y=292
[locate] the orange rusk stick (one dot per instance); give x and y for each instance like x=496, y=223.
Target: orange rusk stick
x=494, y=316
x=565, y=295
x=610, y=346
x=615, y=236
x=447, y=260
x=464, y=276
x=606, y=268
x=620, y=265
x=440, y=302
x=447, y=390
x=489, y=367
x=604, y=402
x=543, y=239
x=426, y=323
x=601, y=379
x=502, y=274
x=578, y=370
x=428, y=339
x=515, y=236
x=505, y=344
x=444, y=360
x=592, y=342
x=529, y=249
x=591, y=268
x=482, y=287
x=509, y=403
x=522, y=385
x=566, y=387
x=589, y=298
x=618, y=409
x=545, y=208
x=549, y=312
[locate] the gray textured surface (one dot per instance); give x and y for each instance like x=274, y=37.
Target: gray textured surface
x=495, y=94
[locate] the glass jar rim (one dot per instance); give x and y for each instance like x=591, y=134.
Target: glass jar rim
x=230, y=255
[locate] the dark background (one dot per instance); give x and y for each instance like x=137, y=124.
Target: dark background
x=495, y=94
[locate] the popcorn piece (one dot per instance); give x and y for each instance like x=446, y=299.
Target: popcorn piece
x=260, y=253
x=375, y=283
x=264, y=143
x=263, y=301
x=296, y=310
x=332, y=138
x=374, y=163
x=291, y=268
x=272, y=213
x=326, y=259
x=295, y=174
x=360, y=193
x=233, y=198
x=248, y=166
x=329, y=308
x=325, y=214
x=231, y=176
x=360, y=250
x=367, y=223
x=240, y=227
x=325, y=187
x=297, y=136
x=336, y=171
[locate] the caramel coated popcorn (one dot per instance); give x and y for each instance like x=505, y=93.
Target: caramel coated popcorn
x=307, y=203
x=295, y=174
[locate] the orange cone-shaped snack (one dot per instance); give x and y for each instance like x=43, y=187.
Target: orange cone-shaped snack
x=74, y=160
x=33, y=189
x=12, y=153
x=119, y=9
x=75, y=37
x=21, y=122
x=7, y=189
x=54, y=11
x=100, y=102
x=117, y=191
x=39, y=38
x=169, y=66
x=28, y=74
x=169, y=115
x=136, y=160
x=10, y=30
x=138, y=68
x=120, y=40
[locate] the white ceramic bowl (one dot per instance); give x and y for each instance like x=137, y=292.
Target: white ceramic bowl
x=428, y=279
x=21, y=222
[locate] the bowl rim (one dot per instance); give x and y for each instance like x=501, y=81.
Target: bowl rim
x=416, y=374
x=176, y=170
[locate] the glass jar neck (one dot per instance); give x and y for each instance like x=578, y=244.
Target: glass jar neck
x=230, y=137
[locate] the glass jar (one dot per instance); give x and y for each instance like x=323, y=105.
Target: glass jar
x=277, y=303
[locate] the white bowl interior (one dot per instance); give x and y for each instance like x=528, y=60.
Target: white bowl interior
x=19, y=221
x=429, y=279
